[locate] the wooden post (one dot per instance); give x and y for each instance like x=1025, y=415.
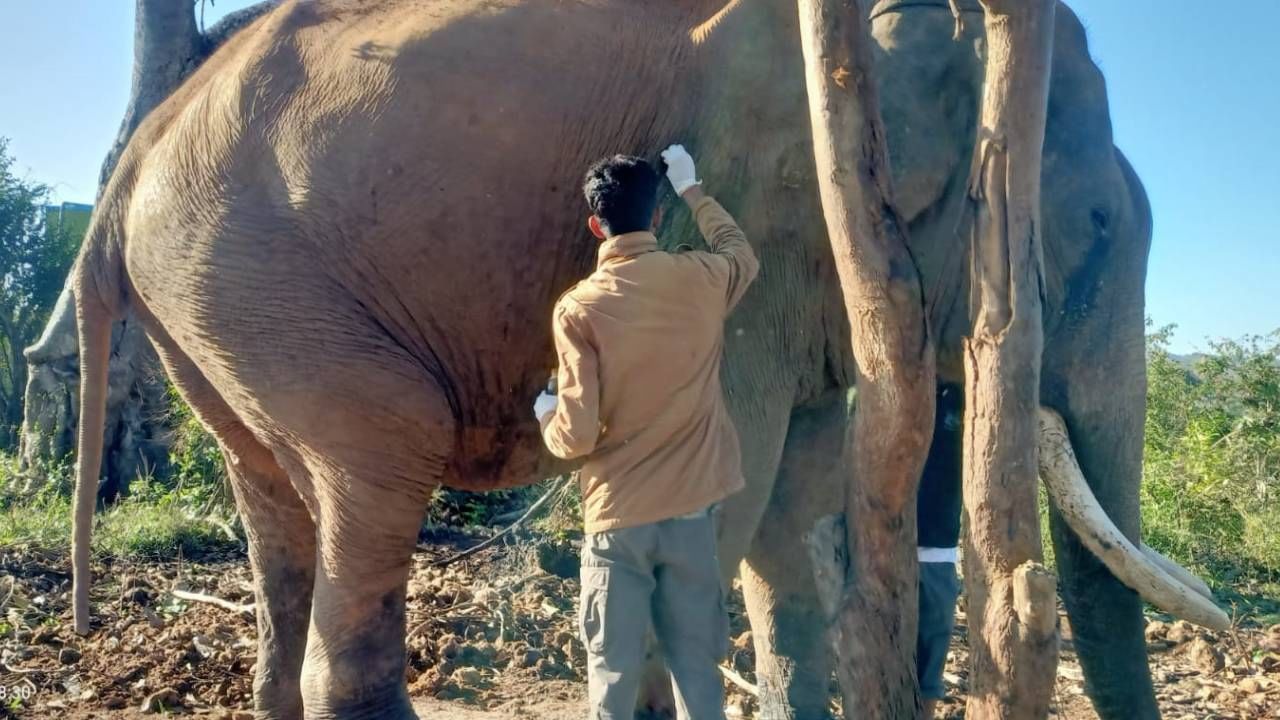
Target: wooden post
x=875, y=573
x=1012, y=598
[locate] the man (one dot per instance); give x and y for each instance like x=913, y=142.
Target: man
x=938, y=511
x=639, y=344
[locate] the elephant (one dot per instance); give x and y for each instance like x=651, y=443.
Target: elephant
x=345, y=232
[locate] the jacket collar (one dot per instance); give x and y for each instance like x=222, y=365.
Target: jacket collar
x=626, y=246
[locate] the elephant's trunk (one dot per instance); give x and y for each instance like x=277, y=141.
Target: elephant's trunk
x=1157, y=579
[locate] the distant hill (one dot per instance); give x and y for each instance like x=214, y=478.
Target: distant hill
x=1189, y=360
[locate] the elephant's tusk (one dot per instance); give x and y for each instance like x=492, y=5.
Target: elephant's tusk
x=1062, y=476
x=1177, y=571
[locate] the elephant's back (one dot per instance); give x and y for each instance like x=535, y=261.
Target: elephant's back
x=407, y=174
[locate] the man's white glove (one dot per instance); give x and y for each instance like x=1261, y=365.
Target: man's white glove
x=680, y=170
x=544, y=405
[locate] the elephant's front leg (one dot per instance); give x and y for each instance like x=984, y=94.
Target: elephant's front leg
x=793, y=654
x=761, y=420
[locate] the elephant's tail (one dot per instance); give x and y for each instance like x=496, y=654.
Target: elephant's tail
x=98, y=287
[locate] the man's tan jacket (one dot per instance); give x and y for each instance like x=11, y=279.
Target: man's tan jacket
x=639, y=343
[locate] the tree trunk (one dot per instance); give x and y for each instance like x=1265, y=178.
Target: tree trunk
x=1012, y=606
x=874, y=620
x=168, y=47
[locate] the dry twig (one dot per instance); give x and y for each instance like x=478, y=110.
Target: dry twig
x=742, y=683
x=212, y=600
x=555, y=492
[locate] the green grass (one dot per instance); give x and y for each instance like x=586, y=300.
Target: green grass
x=154, y=523
x=134, y=529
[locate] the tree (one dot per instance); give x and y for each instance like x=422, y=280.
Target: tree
x=168, y=46
x=866, y=567
x=36, y=251
x=1012, y=598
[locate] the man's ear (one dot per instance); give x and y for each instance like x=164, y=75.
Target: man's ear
x=593, y=224
x=657, y=218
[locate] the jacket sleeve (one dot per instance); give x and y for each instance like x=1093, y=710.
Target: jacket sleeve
x=732, y=262
x=574, y=428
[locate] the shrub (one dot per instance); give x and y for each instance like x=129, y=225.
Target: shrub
x=1212, y=463
x=195, y=459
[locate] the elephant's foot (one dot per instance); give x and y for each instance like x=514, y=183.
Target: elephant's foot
x=275, y=697
x=794, y=685
x=361, y=682
x=656, y=700
x=390, y=702
x=355, y=657
x=284, y=572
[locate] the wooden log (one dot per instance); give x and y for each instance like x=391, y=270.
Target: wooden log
x=874, y=619
x=1012, y=598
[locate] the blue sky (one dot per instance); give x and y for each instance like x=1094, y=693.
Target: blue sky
x=1195, y=100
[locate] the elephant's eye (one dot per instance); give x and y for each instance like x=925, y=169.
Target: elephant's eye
x=1100, y=220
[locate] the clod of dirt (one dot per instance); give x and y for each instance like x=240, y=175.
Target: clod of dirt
x=160, y=701
x=68, y=656
x=1251, y=685
x=136, y=590
x=559, y=558
x=43, y=635
x=1205, y=656
x=548, y=668
x=449, y=648
x=1180, y=632
x=529, y=658
x=467, y=676
x=485, y=596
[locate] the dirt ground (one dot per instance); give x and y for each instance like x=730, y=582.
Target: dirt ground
x=490, y=637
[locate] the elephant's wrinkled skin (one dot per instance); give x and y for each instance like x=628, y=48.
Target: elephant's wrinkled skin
x=346, y=231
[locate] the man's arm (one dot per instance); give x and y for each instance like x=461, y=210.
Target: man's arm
x=735, y=265
x=726, y=240
x=573, y=428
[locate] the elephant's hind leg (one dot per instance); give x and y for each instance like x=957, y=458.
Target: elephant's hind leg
x=374, y=444
x=367, y=533
x=282, y=553
x=281, y=539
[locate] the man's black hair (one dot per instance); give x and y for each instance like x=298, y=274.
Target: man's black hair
x=622, y=191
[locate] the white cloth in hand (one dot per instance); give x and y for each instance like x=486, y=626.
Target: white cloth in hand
x=544, y=405
x=680, y=169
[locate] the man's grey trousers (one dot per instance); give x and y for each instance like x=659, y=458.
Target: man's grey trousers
x=665, y=573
